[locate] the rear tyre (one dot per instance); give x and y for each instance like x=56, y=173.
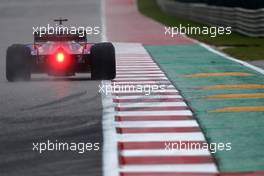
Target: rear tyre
x=18, y=63
x=103, y=66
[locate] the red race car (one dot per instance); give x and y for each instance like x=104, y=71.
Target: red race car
x=60, y=55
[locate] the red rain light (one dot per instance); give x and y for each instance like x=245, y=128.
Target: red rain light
x=60, y=57
x=60, y=61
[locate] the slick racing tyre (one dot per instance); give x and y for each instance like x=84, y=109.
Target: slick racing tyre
x=103, y=66
x=18, y=63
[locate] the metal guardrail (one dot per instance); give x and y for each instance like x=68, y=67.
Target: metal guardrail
x=244, y=21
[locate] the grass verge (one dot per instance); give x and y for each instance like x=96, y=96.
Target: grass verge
x=236, y=45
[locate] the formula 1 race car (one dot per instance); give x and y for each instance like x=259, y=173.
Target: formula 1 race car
x=60, y=55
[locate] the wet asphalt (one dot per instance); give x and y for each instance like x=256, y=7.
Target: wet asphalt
x=48, y=109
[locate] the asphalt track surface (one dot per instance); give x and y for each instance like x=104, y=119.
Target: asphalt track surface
x=67, y=110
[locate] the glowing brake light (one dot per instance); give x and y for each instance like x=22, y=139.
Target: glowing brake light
x=60, y=57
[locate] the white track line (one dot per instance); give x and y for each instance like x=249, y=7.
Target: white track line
x=110, y=155
x=158, y=137
x=149, y=124
x=164, y=152
x=188, y=168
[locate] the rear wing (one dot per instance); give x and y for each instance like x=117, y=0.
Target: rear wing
x=42, y=36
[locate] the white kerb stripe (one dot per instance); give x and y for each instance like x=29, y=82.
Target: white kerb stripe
x=135, y=64
x=197, y=168
x=158, y=137
x=157, y=124
x=134, y=61
x=143, y=75
x=139, y=66
x=143, y=82
x=164, y=152
x=133, y=56
x=141, y=72
x=152, y=104
x=148, y=97
x=155, y=113
x=141, y=78
x=151, y=92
